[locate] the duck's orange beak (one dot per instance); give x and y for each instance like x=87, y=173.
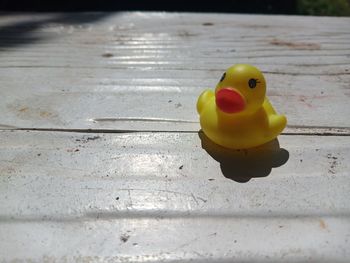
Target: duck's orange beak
x=229, y=100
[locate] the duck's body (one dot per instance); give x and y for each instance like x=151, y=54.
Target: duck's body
x=237, y=131
x=246, y=126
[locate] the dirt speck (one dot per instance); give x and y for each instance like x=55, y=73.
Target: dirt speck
x=124, y=238
x=87, y=139
x=295, y=45
x=185, y=33
x=117, y=198
x=134, y=244
x=211, y=179
x=107, y=55
x=178, y=105
x=182, y=166
x=254, y=26
x=92, y=138
x=72, y=150
x=39, y=154
x=330, y=156
x=208, y=24
x=304, y=99
x=169, y=101
x=332, y=162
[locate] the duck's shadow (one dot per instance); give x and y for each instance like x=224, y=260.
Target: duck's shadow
x=242, y=165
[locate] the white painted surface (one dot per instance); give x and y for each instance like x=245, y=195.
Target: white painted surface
x=159, y=196
x=79, y=196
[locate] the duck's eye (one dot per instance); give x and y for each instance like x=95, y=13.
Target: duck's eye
x=223, y=77
x=252, y=83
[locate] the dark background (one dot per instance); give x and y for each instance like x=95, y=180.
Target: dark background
x=249, y=6
x=305, y=7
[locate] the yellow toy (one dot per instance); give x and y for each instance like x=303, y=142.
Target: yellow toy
x=238, y=115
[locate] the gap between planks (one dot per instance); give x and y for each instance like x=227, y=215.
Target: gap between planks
x=290, y=130
x=179, y=69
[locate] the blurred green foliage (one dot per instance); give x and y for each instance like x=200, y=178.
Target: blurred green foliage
x=324, y=7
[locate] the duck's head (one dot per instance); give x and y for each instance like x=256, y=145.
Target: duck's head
x=241, y=90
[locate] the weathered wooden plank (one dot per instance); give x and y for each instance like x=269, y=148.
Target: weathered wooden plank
x=161, y=197
x=179, y=240
x=123, y=71
x=139, y=100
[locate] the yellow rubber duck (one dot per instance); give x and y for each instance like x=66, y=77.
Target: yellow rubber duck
x=239, y=115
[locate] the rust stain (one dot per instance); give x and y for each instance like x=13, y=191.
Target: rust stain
x=23, y=109
x=45, y=114
x=322, y=224
x=36, y=108
x=26, y=111
x=295, y=45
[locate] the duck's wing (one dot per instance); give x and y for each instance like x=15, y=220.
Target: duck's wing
x=276, y=122
x=203, y=99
